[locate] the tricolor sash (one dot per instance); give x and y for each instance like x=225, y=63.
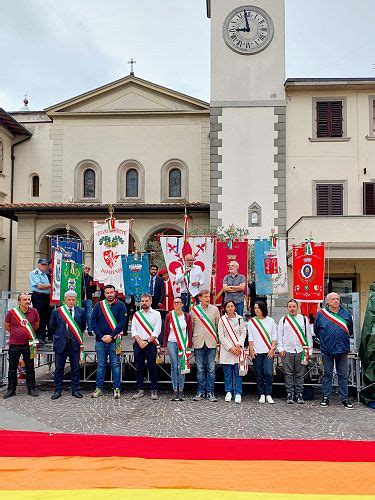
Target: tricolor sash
x=243, y=357
x=265, y=336
x=112, y=323
x=74, y=328
x=143, y=321
x=182, y=337
x=26, y=325
x=336, y=319
x=207, y=323
x=301, y=335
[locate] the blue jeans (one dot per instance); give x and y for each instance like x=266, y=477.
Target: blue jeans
x=263, y=374
x=239, y=308
x=178, y=380
x=104, y=350
x=230, y=372
x=205, y=360
x=341, y=362
x=87, y=306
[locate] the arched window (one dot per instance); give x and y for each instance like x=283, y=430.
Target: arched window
x=35, y=186
x=175, y=183
x=131, y=189
x=89, y=183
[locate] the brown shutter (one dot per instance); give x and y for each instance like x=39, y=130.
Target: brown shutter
x=368, y=198
x=329, y=199
x=329, y=119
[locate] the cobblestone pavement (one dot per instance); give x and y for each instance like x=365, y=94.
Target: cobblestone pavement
x=189, y=418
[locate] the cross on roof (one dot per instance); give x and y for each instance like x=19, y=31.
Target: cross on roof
x=132, y=62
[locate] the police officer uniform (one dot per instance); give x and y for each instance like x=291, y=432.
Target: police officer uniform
x=40, y=298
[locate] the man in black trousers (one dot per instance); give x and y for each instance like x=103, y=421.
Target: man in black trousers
x=156, y=288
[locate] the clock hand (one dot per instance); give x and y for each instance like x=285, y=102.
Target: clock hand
x=247, y=22
x=244, y=30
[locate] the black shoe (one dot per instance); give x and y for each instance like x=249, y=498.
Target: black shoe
x=289, y=399
x=175, y=396
x=181, y=396
x=56, y=395
x=347, y=404
x=32, y=392
x=9, y=394
x=90, y=334
x=77, y=394
x=324, y=402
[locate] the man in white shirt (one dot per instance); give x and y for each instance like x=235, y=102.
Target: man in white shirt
x=146, y=327
x=190, y=278
x=294, y=344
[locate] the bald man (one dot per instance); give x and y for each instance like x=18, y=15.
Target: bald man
x=190, y=278
x=333, y=326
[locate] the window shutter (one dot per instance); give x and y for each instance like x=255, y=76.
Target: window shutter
x=329, y=119
x=336, y=199
x=322, y=199
x=329, y=199
x=368, y=198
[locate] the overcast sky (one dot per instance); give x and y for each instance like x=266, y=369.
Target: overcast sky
x=56, y=49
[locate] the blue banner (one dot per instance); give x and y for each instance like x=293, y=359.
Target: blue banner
x=71, y=248
x=135, y=269
x=263, y=281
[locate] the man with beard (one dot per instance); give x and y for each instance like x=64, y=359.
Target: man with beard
x=146, y=327
x=156, y=288
x=108, y=321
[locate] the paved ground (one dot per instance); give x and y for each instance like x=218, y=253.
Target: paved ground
x=188, y=418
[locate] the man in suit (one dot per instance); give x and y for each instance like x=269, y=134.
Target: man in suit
x=156, y=288
x=67, y=325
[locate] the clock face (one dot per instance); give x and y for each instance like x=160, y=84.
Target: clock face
x=248, y=30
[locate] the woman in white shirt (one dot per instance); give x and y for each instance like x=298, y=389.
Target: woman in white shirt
x=232, y=334
x=262, y=332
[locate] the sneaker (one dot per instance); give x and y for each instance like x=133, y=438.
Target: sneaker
x=324, y=402
x=262, y=399
x=300, y=399
x=228, y=397
x=270, y=400
x=347, y=404
x=116, y=393
x=289, y=399
x=211, y=397
x=96, y=393
x=9, y=394
x=175, y=396
x=198, y=397
x=237, y=398
x=181, y=396
x=32, y=392
x=154, y=395
x=139, y=394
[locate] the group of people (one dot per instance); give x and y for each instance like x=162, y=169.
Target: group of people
x=193, y=324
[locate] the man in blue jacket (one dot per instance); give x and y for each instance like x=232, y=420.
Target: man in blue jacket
x=108, y=320
x=333, y=326
x=67, y=325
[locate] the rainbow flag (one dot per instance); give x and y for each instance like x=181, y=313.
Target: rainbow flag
x=58, y=466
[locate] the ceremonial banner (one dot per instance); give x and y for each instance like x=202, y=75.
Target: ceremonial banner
x=308, y=273
x=111, y=240
x=71, y=248
x=270, y=266
x=56, y=277
x=174, y=251
x=136, y=274
x=239, y=252
x=71, y=279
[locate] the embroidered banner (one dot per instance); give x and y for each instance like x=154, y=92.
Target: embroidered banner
x=110, y=242
x=308, y=273
x=174, y=251
x=56, y=277
x=71, y=248
x=71, y=279
x=135, y=268
x=270, y=267
x=239, y=252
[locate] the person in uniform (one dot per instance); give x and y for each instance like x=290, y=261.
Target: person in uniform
x=40, y=288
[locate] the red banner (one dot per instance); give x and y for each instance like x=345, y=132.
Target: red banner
x=240, y=253
x=308, y=273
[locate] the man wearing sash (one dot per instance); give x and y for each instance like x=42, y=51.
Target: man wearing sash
x=205, y=318
x=108, y=320
x=67, y=325
x=146, y=328
x=190, y=278
x=333, y=326
x=21, y=323
x=294, y=343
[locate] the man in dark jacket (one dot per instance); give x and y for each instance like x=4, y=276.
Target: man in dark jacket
x=333, y=326
x=156, y=288
x=87, y=291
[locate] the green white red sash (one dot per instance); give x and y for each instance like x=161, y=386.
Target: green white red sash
x=26, y=325
x=112, y=323
x=207, y=323
x=301, y=335
x=265, y=336
x=74, y=328
x=182, y=337
x=145, y=324
x=243, y=357
x=336, y=319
